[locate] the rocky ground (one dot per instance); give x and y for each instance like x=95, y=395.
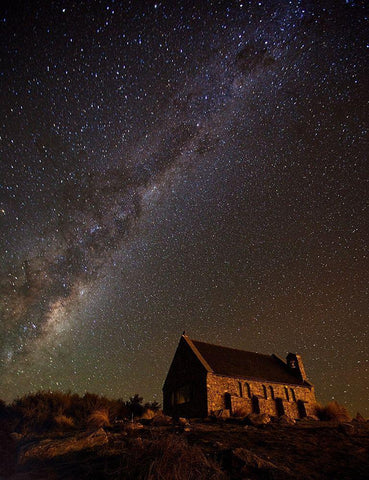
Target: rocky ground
x=218, y=449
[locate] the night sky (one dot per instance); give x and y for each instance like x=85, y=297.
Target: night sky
x=190, y=165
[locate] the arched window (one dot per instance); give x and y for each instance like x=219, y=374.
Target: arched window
x=265, y=392
x=240, y=389
x=271, y=390
x=287, y=394
x=248, y=390
x=293, y=395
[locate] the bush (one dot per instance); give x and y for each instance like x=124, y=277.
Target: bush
x=45, y=411
x=99, y=418
x=134, y=406
x=333, y=411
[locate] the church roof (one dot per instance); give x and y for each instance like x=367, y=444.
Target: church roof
x=239, y=363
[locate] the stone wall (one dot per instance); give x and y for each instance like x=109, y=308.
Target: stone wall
x=271, y=398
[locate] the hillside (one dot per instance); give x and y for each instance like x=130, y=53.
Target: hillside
x=211, y=449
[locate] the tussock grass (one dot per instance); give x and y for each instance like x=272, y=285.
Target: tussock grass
x=63, y=421
x=99, y=418
x=169, y=458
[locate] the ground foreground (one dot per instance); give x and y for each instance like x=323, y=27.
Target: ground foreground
x=222, y=449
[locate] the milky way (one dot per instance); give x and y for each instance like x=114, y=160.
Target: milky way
x=197, y=167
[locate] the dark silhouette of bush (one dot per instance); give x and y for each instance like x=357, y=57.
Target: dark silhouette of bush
x=333, y=411
x=134, y=406
x=48, y=411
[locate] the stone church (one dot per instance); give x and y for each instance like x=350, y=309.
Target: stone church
x=204, y=379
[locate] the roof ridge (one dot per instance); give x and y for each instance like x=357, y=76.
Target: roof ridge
x=231, y=348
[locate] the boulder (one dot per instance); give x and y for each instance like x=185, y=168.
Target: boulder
x=285, y=420
x=222, y=414
x=133, y=426
x=161, y=420
x=50, y=448
x=256, y=419
x=346, y=428
x=250, y=464
x=313, y=418
x=16, y=436
x=359, y=418
x=183, y=422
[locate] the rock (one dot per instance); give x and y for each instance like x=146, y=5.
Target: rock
x=346, y=428
x=148, y=414
x=256, y=419
x=359, y=418
x=313, y=418
x=50, y=448
x=161, y=420
x=222, y=413
x=246, y=462
x=133, y=426
x=285, y=420
x=183, y=422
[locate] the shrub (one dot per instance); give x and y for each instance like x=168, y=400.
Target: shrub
x=99, y=418
x=134, y=406
x=42, y=411
x=333, y=411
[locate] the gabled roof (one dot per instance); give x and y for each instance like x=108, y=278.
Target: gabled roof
x=239, y=363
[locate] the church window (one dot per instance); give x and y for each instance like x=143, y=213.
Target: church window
x=293, y=395
x=240, y=389
x=265, y=392
x=287, y=394
x=248, y=389
x=271, y=390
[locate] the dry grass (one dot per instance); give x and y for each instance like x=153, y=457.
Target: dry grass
x=169, y=458
x=99, y=418
x=63, y=421
x=148, y=414
x=333, y=411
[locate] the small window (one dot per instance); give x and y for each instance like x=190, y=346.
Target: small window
x=271, y=390
x=248, y=390
x=293, y=395
x=265, y=392
x=287, y=394
x=240, y=389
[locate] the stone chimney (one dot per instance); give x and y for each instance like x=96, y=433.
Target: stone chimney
x=295, y=364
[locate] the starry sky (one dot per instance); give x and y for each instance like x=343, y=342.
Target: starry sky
x=190, y=165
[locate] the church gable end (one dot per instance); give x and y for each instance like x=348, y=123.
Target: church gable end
x=184, y=390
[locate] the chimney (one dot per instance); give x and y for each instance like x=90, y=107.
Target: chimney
x=295, y=364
